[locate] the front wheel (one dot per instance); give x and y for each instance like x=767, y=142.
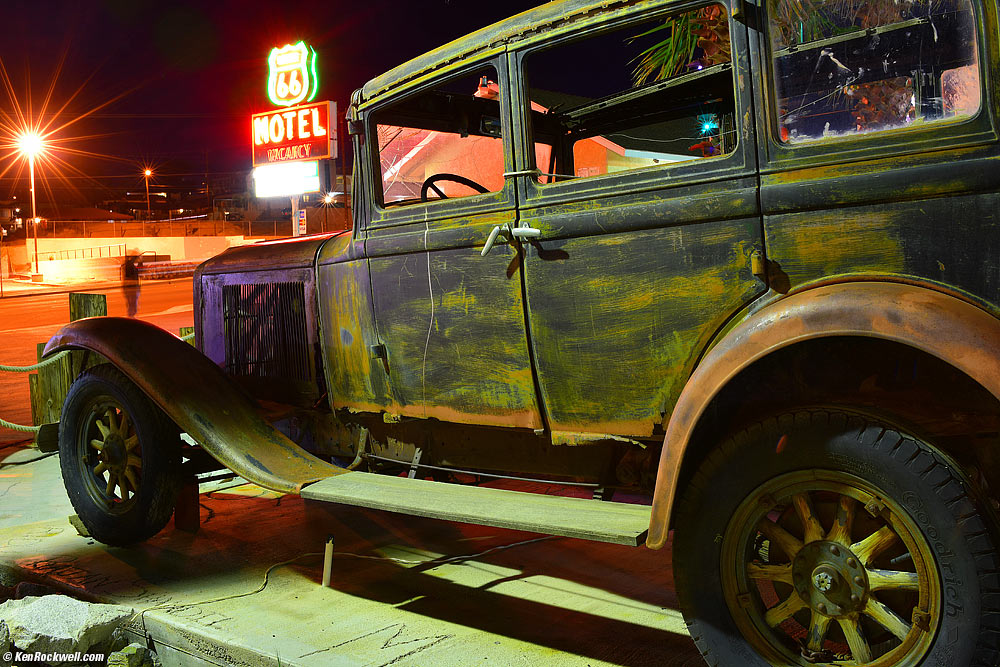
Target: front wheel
x=120, y=457
x=818, y=537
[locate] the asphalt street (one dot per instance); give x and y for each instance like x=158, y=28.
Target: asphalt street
x=28, y=320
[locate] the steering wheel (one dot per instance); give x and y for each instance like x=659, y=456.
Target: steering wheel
x=431, y=180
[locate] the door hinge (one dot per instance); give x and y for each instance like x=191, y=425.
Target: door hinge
x=758, y=265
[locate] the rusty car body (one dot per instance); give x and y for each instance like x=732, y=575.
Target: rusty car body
x=752, y=274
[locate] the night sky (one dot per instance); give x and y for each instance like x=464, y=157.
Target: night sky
x=181, y=79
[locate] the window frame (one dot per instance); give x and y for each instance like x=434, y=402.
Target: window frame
x=777, y=155
x=388, y=216
x=646, y=178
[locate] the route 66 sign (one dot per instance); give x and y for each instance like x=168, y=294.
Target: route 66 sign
x=291, y=74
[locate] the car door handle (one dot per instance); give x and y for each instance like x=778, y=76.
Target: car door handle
x=492, y=238
x=526, y=232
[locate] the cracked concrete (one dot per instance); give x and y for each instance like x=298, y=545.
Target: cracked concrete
x=560, y=602
x=61, y=624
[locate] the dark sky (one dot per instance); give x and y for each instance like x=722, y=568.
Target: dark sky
x=183, y=77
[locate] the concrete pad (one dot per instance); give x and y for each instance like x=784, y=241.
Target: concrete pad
x=203, y=601
x=31, y=488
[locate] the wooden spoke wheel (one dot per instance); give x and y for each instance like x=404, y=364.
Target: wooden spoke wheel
x=833, y=573
x=114, y=456
x=821, y=537
x=120, y=457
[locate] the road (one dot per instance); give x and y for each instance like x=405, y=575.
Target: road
x=28, y=320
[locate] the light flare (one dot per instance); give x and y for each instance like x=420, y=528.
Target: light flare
x=28, y=136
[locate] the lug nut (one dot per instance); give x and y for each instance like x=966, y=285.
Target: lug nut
x=834, y=550
x=851, y=562
x=859, y=580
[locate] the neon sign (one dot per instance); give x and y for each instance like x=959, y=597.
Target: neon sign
x=296, y=133
x=289, y=179
x=291, y=74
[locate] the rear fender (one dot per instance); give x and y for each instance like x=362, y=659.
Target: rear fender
x=955, y=331
x=200, y=398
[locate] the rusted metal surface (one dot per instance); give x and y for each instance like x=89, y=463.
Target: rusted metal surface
x=356, y=379
x=200, y=398
x=944, y=326
x=477, y=44
x=298, y=251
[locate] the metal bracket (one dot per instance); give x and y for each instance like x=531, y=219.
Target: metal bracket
x=377, y=351
x=921, y=619
x=523, y=172
x=603, y=493
x=875, y=506
x=415, y=464
x=758, y=266
x=355, y=127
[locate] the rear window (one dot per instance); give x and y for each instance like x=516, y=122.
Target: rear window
x=848, y=68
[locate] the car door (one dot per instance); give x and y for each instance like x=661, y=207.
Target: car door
x=878, y=145
x=644, y=195
x=450, y=321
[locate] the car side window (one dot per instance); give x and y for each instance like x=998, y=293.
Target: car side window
x=648, y=94
x=446, y=142
x=847, y=68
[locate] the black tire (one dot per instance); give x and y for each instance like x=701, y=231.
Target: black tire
x=120, y=457
x=732, y=571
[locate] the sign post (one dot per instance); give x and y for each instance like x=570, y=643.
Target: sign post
x=301, y=222
x=293, y=145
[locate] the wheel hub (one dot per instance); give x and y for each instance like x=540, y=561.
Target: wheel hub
x=114, y=451
x=830, y=579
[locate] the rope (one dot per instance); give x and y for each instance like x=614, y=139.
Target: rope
x=24, y=369
x=34, y=367
x=18, y=427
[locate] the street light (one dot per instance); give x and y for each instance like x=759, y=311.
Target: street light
x=31, y=145
x=327, y=200
x=146, y=174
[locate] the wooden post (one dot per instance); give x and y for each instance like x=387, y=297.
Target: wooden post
x=87, y=305
x=49, y=386
x=187, y=511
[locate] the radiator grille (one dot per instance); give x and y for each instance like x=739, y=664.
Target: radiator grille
x=265, y=330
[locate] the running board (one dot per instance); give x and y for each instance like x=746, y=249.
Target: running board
x=598, y=520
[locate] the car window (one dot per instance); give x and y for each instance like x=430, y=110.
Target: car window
x=649, y=94
x=446, y=142
x=844, y=68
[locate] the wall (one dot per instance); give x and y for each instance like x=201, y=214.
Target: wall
x=177, y=247
x=64, y=271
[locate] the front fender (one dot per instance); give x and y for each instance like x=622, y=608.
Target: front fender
x=942, y=325
x=200, y=398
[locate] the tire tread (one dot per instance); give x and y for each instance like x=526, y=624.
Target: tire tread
x=918, y=459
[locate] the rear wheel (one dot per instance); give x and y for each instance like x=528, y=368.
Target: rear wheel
x=120, y=457
x=818, y=537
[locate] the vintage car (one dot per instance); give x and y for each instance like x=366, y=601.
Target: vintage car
x=742, y=260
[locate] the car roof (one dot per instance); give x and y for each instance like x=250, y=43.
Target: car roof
x=543, y=17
